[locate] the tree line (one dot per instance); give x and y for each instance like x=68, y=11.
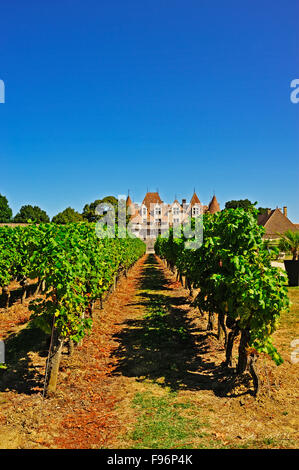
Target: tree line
x=29, y=213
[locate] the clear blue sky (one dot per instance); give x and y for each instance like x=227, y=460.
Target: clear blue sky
x=102, y=96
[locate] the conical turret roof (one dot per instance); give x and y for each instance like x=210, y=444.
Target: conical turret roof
x=129, y=201
x=194, y=199
x=214, y=206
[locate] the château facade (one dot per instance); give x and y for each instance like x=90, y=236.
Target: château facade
x=153, y=217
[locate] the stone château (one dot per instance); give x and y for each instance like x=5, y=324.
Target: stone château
x=153, y=216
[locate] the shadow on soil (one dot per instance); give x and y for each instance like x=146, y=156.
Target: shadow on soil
x=165, y=346
x=16, y=295
x=21, y=376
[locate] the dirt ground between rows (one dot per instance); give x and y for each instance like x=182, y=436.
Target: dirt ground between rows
x=124, y=356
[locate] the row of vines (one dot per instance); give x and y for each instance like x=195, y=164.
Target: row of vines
x=74, y=267
x=235, y=282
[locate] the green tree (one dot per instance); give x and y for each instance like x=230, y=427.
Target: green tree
x=31, y=213
x=263, y=210
x=90, y=212
x=5, y=210
x=67, y=216
x=290, y=242
x=241, y=203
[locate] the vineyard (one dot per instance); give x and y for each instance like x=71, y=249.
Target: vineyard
x=74, y=268
x=125, y=339
x=236, y=282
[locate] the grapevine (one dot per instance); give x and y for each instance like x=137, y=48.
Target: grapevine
x=235, y=279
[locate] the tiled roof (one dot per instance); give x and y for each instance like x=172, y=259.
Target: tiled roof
x=175, y=202
x=151, y=198
x=194, y=199
x=262, y=218
x=214, y=206
x=275, y=222
x=136, y=218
